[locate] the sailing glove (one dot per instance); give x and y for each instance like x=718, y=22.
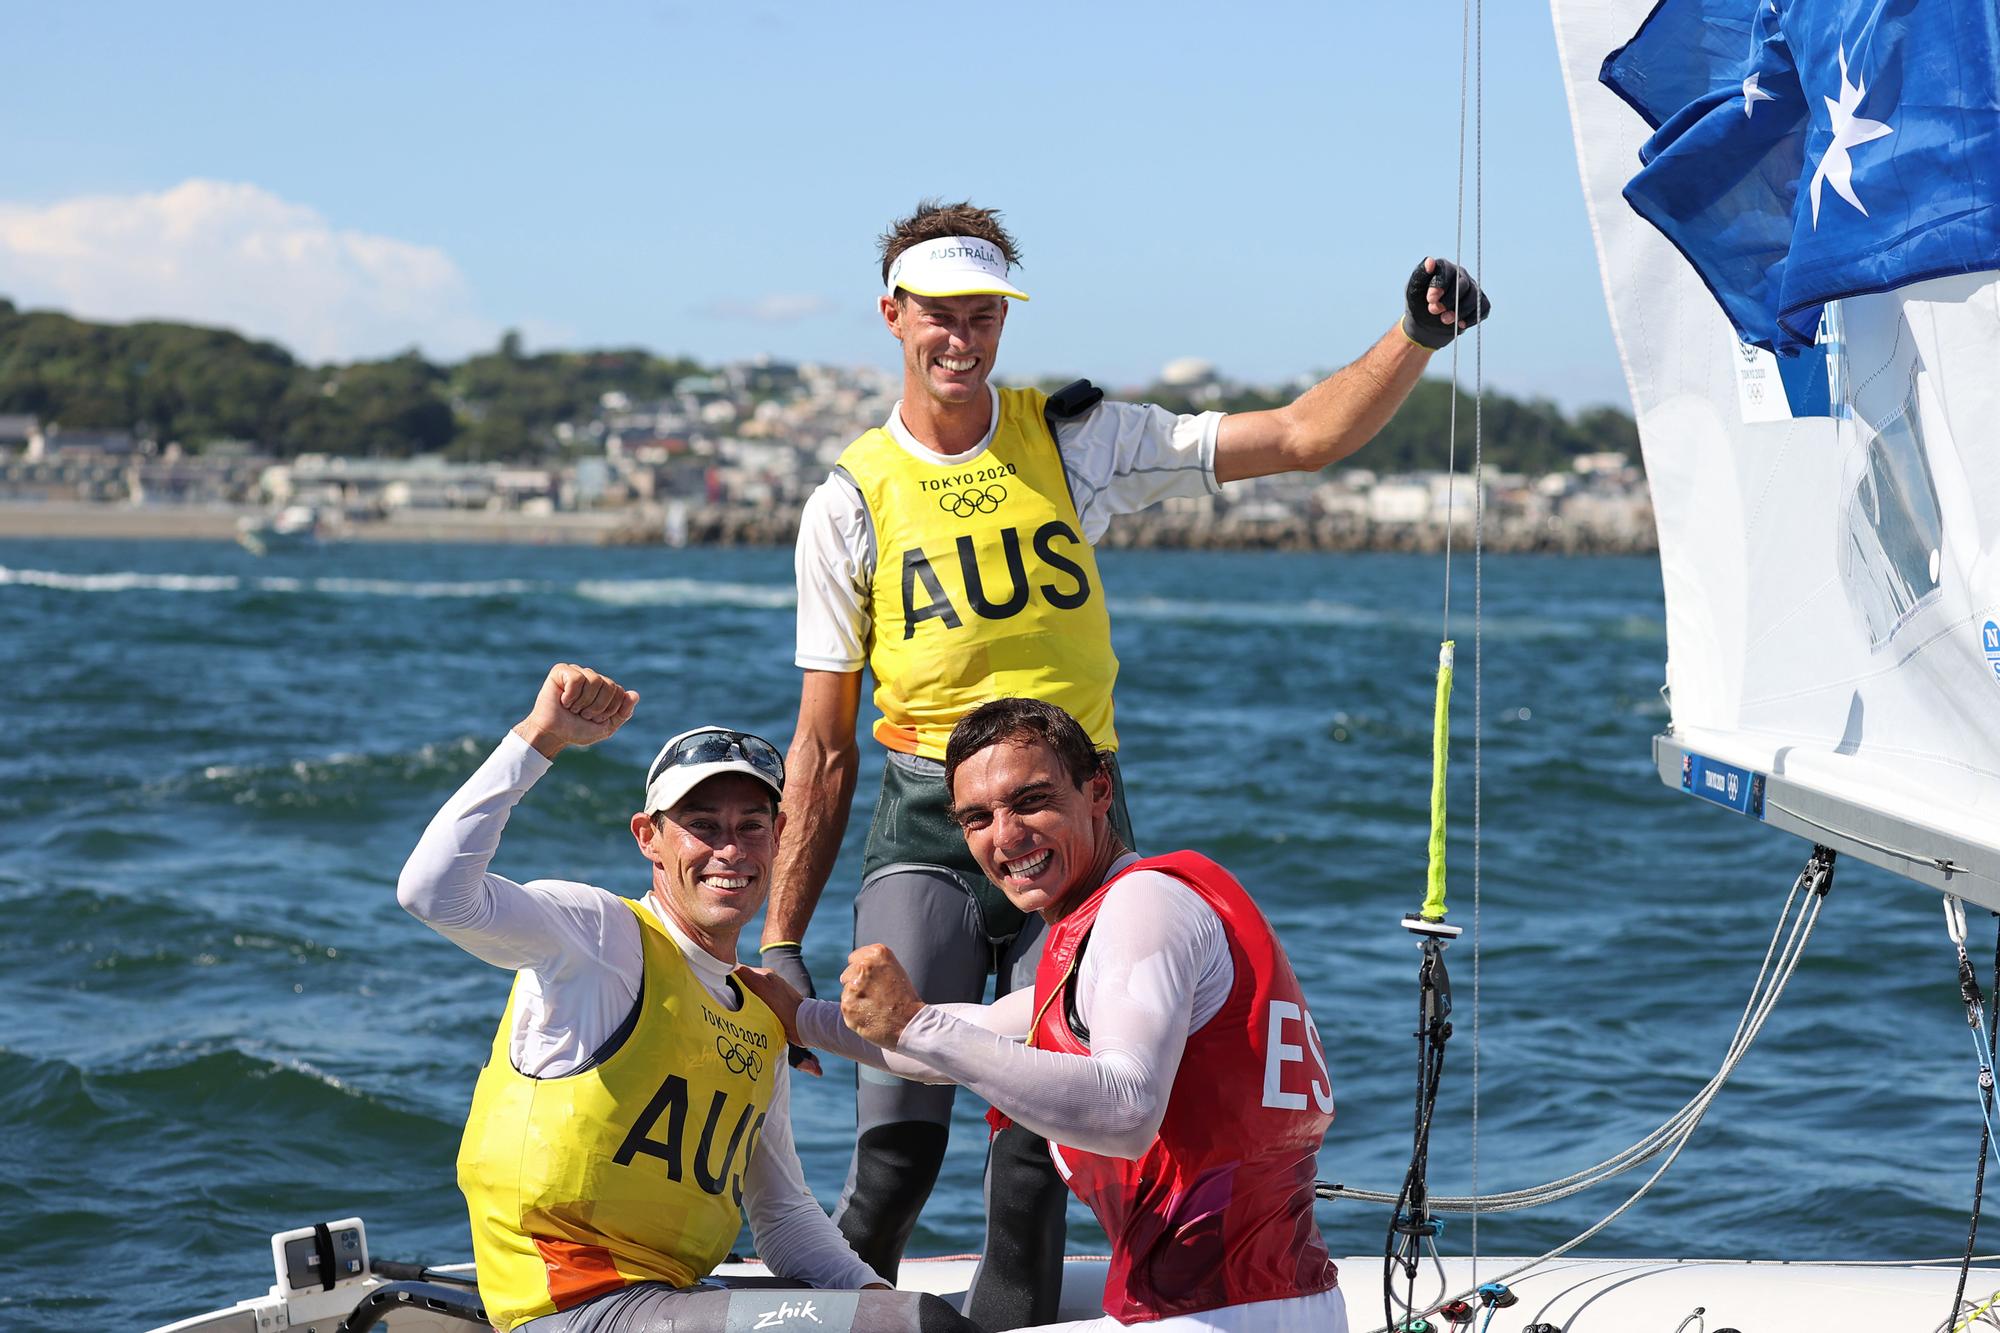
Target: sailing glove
x=788, y=961
x=1451, y=287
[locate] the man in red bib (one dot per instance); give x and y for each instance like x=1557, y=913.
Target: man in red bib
x=1153, y=965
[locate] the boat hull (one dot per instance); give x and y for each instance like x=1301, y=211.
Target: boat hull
x=1575, y=1295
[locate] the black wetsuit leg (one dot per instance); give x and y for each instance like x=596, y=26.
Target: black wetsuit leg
x=934, y=926
x=655, y=1307
x=1019, y=1278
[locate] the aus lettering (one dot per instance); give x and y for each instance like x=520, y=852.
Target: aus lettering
x=925, y=598
x=1280, y=1053
x=671, y=1103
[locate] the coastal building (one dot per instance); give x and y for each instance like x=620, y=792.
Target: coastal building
x=734, y=453
x=20, y=433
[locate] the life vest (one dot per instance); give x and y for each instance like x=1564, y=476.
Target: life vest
x=984, y=586
x=1219, y=1209
x=630, y=1169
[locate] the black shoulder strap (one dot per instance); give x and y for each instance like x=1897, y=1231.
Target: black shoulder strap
x=1066, y=403
x=1072, y=400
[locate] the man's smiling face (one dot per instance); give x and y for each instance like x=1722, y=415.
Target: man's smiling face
x=1035, y=833
x=711, y=856
x=949, y=343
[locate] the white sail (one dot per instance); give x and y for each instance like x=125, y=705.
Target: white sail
x=1832, y=587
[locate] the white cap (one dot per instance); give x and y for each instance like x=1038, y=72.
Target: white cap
x=668, y=783
x=953, y=266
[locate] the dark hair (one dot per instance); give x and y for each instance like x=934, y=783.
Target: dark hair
x=934, y=220
x=1022, y=722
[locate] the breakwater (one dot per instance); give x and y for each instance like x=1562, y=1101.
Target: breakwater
x=744, y=526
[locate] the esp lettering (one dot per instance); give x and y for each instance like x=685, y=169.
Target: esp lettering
x=1278, y=1053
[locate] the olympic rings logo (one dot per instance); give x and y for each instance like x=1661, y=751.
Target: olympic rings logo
x=740, y=1059
x=978, y=500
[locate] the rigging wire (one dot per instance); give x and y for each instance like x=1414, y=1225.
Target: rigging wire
x=1413, y=1228
x=1804, y=902
x=1955, y=920
x=1478, y=577
x=1808, y=896
x=1975, y=1019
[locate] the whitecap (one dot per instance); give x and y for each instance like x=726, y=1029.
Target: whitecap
x=394, y=588
x=687, y=592
x=124, y=580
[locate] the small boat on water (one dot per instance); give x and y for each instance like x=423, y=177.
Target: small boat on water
x=293, y=528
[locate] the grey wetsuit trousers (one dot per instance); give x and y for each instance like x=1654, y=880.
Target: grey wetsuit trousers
x=924, y=896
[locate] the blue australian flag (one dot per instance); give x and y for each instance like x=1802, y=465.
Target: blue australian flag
x=1806, y=150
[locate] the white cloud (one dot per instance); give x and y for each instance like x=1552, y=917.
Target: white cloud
x=222, y=252
x=775, y=308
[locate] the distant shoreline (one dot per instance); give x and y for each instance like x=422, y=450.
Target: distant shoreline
x=738, y=527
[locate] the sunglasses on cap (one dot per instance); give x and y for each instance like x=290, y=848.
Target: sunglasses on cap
x=718, y=745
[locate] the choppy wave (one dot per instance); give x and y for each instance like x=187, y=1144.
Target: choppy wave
x=613, y=592
x=779, y=596
x=1346, y=615
x=339, y=777
x=188, y=1080
x=133, y=580
x=420, y=588
x=687, y=592
x=124, y=580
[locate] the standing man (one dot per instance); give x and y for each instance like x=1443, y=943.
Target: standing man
x=634, y=1105
x=1166, y=1049
x=951, y=554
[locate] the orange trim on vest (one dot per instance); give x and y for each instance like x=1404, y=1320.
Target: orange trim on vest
x=577, y=1273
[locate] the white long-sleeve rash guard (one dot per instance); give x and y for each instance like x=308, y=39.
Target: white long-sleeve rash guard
x=578, y=950
x=1156, y=969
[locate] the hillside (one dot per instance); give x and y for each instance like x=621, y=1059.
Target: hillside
x=194, y=385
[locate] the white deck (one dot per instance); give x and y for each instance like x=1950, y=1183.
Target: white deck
x=1575, y=1295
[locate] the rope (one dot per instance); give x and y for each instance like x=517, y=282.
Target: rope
x=1458, y=252
x=1777, y=970
x=1763, y=999
x=1955, y=922
x=1478, y=576
x=1983, y=1313
x=1975, y=1019
x=1411, y=1230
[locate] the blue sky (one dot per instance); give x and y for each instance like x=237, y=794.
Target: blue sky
x=1250, y=187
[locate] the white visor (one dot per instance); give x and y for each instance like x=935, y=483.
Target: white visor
x=953, y=266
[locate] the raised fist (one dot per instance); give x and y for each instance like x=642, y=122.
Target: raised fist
x=576, y=706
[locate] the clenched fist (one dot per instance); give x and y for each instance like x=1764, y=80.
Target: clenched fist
x=576, y=706
x=877, y=999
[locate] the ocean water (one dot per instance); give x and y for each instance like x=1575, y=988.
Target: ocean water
x=218, y=1023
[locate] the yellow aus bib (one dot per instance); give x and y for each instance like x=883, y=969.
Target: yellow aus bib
x=984, y=586
x=630, y=1170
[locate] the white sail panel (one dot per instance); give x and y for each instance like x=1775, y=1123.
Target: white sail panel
x=1832, y=593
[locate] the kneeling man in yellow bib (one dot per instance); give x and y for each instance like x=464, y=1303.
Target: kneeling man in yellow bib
x=635, y=1105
